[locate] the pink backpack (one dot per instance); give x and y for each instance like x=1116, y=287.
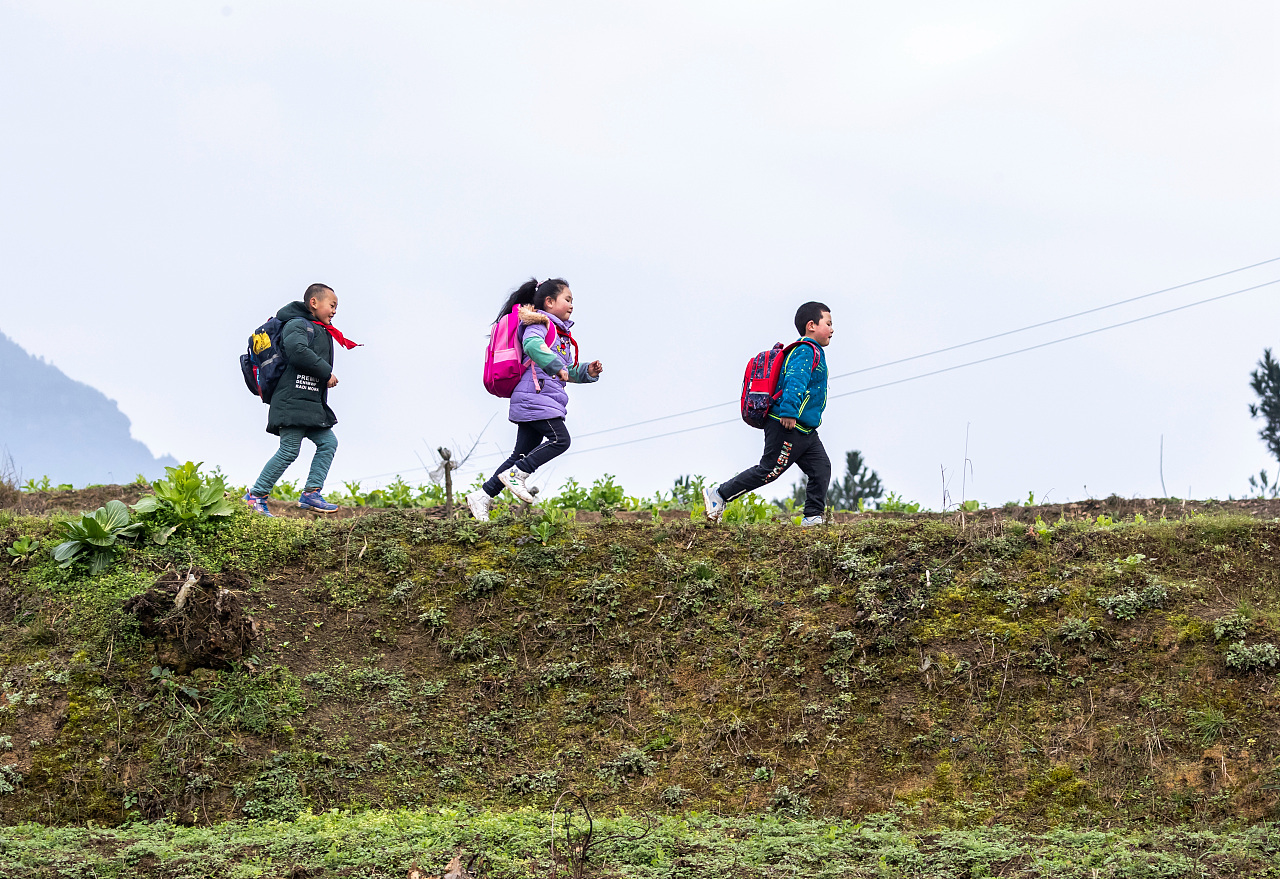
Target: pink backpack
x=504, y=361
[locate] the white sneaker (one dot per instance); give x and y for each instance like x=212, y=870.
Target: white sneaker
x=480, y=502
x=714, y=504
x=808, y=521
x=514, y=479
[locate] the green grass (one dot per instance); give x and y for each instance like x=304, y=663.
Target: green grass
x=518, y=844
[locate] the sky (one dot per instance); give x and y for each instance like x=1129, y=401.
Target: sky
x=171, y=173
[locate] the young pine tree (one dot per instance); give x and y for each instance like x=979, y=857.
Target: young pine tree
x=1265, y=381
x=859, y=483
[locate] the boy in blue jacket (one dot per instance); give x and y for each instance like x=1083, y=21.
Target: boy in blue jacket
x=791, y=430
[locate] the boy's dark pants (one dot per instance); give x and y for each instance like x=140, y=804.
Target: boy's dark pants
x=782, y=448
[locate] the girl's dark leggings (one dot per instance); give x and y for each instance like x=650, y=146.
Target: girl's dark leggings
x=537, y=442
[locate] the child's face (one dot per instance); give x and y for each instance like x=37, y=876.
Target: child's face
x=324, y=309
x=821, y=331
x=562, y=305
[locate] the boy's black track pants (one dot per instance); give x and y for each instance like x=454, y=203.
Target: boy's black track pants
x=782, y=448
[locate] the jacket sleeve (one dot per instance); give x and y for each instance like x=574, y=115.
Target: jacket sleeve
x=296, y=343
x=580, y=375
x=795, y=382
x=535, y=347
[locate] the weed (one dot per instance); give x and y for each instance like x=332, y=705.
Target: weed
x=1077, y=630
x=483, y=584
x=1252, y=657
x=1128, y=604
x=22, y=549
x=259, y=703
x=629, y=764
x=1208, y=725
x=1232, y=627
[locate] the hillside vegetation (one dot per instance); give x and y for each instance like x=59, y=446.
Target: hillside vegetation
x=934, y=672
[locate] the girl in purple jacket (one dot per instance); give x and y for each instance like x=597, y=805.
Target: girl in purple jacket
x=539, y=402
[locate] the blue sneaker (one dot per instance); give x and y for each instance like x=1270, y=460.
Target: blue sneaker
x=314, y=500
x=258, y=504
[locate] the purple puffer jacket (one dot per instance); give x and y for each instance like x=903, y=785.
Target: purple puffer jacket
x=527, y=404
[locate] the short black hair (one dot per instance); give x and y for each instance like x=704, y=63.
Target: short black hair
x=810, y=311
x=317, y=291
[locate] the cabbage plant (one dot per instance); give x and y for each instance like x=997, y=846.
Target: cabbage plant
x=103, y=534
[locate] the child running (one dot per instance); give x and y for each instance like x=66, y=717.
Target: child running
x=791, y=430
x=539, y=402
x=300, y=403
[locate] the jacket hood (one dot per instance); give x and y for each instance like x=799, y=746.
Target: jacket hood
x=294, y=310
x=530, y=316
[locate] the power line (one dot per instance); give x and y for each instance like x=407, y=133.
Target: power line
x=937, y=351
x=954, y=367
x=1056, y=320
x=922, y=356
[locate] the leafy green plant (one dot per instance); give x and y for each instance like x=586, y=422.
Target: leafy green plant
x=22, y=548
x=1128, y=604
x=1252, y=657
x=894, y=503
x=1077, y=630
x=1233, y=627
x=185, y=496
x=45, y=485
x=750, y=509
x=102, y=534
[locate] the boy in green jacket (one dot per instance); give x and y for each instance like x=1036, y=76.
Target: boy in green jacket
x=791, y=430
x=300, y=403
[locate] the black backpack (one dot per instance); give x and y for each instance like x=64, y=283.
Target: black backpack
x=264, y=362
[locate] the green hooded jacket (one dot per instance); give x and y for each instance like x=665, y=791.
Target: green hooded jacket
x=302, y=397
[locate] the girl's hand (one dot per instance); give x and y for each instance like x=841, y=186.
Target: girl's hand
x=594, y=368
x=787, y=423
x=563, y=375
x=333, y=380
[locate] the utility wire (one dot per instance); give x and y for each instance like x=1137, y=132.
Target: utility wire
x=953, y=347
x=924, y=355
x=954, y=367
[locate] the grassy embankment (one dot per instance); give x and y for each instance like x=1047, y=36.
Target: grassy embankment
x=989, y=689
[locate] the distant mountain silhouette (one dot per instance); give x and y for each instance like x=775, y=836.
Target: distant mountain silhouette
x=51, y=425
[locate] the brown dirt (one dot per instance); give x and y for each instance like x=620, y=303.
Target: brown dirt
x=198, y=620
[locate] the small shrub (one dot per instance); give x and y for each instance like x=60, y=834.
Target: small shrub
x=482, y=584
x=784, y=801
x=1078, y=631
x=630, y=763
x=1252, y=657
x=1233, y=627
x=674, y=796
x=185, y=496
x=1131, y=602
x=10, y=778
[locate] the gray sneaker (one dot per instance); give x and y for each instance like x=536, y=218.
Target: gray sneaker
x=480, y=502
x=809, y=521
x=514, y=479
x=713, y=503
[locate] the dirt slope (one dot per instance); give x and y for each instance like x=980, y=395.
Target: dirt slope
x=969, y=672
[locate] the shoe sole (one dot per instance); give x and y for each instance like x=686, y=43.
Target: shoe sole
x=514, y=488
x=316, y=509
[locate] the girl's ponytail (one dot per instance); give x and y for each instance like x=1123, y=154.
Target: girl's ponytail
x=531, y=292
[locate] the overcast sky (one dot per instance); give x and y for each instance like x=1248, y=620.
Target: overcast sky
x=173, y=172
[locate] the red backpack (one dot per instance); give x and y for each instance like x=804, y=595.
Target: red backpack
x=760, y=381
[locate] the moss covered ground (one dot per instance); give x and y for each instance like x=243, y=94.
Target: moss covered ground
x=940, y=682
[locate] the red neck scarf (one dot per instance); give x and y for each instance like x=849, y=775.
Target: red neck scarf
x=337, y=336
